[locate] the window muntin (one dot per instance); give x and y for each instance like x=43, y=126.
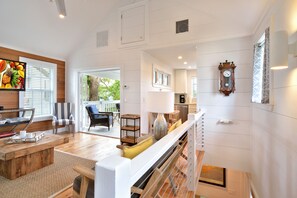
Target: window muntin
x=194, y=87
x=40, y=87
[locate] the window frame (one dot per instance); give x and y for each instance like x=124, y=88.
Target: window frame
x=269, y=105
x=53, y=85
x=261, y=45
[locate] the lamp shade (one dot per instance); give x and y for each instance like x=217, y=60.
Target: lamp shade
x=279, y=50
x=160, y=102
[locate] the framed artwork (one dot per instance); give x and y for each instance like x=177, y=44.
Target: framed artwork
x=161, y=79
x=213, y=175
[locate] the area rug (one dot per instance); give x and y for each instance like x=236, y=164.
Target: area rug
x=114, y=131
x=46, y=181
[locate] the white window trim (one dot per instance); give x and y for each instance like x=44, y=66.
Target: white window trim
x=192, y=87
x=270, y=105
x=21, y=94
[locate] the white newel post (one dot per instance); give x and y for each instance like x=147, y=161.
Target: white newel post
x=191, y=183
x=112, y=178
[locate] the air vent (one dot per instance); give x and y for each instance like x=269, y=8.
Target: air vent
x=102, y=39
x=182, y=26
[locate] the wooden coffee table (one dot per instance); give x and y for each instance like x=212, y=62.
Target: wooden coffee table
x=20, y=159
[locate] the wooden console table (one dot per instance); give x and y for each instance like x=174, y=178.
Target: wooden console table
x=20, y=159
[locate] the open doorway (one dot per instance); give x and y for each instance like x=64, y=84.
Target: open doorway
x=102, y=89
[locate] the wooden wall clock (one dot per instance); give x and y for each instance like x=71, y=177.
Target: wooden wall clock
x=227, y=78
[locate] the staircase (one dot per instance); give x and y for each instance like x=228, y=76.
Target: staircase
x=176, y=184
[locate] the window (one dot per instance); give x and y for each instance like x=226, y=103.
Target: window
x=194, y=87
x=260, y=93
x=40, y=88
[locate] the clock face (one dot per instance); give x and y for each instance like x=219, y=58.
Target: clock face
x=227, y=73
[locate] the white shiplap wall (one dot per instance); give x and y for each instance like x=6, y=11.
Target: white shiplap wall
x=227, y=145
x=274, y=131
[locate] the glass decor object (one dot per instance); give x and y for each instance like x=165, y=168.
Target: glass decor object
x=160, y=102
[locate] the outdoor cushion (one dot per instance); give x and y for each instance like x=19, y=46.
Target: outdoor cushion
x=100, y=116
x=93, y=109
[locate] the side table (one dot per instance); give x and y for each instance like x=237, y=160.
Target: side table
x=130, y=128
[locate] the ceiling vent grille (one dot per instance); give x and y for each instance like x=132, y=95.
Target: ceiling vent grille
x=102, y=39
x=182, y=26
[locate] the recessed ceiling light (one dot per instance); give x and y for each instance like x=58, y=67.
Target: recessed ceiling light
x=180, y=57
x=185, y=62
x=61, y=16
x=189, y=67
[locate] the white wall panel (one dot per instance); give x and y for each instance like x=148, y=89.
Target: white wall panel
x=285, y=99
x=238, y=57
x=231, y=112
x=237, y=159
x=227, y=145
x=216, y=99
x=274, y=135
x=213, y=47
x=237, y=127
x=240, y=141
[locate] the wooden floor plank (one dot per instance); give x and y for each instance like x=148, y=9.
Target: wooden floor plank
x=89, y=146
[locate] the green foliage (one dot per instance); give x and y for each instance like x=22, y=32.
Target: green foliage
x=109, y=88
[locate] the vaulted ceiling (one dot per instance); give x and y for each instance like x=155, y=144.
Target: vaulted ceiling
x=34, y=26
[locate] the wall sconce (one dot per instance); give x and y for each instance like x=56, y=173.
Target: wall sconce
x=280, y=50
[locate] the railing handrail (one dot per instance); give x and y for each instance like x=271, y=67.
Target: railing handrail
x=142, y=162
x=139, y=165
x=103, y=102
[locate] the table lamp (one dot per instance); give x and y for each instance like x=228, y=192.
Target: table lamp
x=160, y=102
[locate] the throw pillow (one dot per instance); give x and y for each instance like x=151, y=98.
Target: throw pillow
x=178, y=123
x=172, y=128
x=175, y=125
x=133, y=151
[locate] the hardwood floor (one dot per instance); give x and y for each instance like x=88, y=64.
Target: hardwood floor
x=89, y=146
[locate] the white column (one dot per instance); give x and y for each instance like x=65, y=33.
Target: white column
x=112, y=178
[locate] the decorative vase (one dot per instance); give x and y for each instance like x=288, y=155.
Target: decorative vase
x=160, y=126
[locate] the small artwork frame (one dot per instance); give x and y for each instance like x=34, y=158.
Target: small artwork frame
x=213, y=175
x=161, y=79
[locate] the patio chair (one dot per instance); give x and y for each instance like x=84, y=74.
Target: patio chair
x=62, y=116
x=99, y=118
